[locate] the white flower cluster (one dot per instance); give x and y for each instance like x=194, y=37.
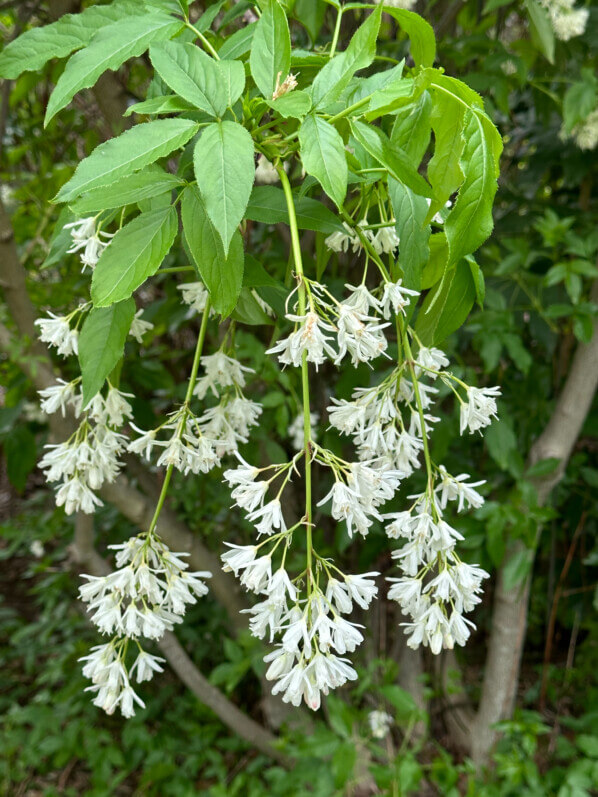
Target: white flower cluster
x=384, y=239
x=585, y=134
x=436, y=588
x=566, y=20
x=314, y=635
x=89, y=458
x=87, y=240
x=354, y=322
x=195, y=295
x=196, y=444
x=145, y=597
x=57, y=332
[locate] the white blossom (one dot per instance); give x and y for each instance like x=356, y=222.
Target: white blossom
x=56, y=331
x=307, y=337
x=139, y=327
x=380, y=721
x=479, y=409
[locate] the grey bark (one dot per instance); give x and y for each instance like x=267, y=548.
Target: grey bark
x=501, y=674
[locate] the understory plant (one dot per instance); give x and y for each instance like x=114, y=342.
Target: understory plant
x=388, y=167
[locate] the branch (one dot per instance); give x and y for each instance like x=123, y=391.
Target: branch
x=238, y=722
x=509, y=619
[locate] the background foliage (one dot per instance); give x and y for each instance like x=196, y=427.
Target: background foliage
x=539, y=266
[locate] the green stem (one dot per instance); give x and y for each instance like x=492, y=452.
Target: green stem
x=418, y=401
x=366, y=244
x=348, y=111
x=296, y=248
x=203, y=40
x=337, y=30
x=190, y=387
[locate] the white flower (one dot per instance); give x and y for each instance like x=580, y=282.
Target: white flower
x=567, y=21
x=362, y=588
x=220, y=370
x=238, y=558
x=585, y=134
x=406, y=4
x=85, y=237
x=249, y=494
x=308, y=338
x=479, y=409
x=139, y=327
x=270, y=518
x=194, y=294
x=58, y=397
x=146, y=665
x=380, y=722
x=359, y=335
x=37, y=549
x=386, y=240
x=341, y=241
x=396, y=296
x=432, y=359
x=455, y=488
x=361, y=300
x=55, y=331
x=265, y=173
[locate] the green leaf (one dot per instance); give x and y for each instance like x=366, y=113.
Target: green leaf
x=34, y=48
x=420, y=32
x=412, y=128
x=579, y=101
x=542, y=468
x=332, y=80
x=239, y=43
x=470, y=221
x=541, y=29
x=61, y=240
x=168, y=103
x=268, y=205
x=132, y=150
x=191, y=74
x=446, y=306
x=501, y=442
x=225, y=169
x=295, y=104
x=323, y=156
x=444, y=169
x=270, y=59
x=111, y=47
x=517, y=568
x=233, y=78
x=131, y=189
x=410, y=211
x=133, y=255
x=393, y=159
x=101, y=344
x=20, y=452
x=403, y=703
x=222, y=275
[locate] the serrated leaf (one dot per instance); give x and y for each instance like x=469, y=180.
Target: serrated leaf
x=238, y=43
x=134, y=254
x=133, y=188
x=447, y=305
x=399, y=166
x=191, y=74
x=127, y=153
x=420, y=32
x=109, y=49
x=34, y=48
x=222, y=274
x=267, y=204
x=331, y=81
x=225, y=170
x=323, y=156
x=444, y=169
x=412, y=128
x=470, y=221
x=233, y=78
x=169, y=103
x=101, y=344
x=410, y=211
x=270, y=59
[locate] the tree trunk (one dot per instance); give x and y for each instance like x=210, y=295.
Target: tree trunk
x=501, y=674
